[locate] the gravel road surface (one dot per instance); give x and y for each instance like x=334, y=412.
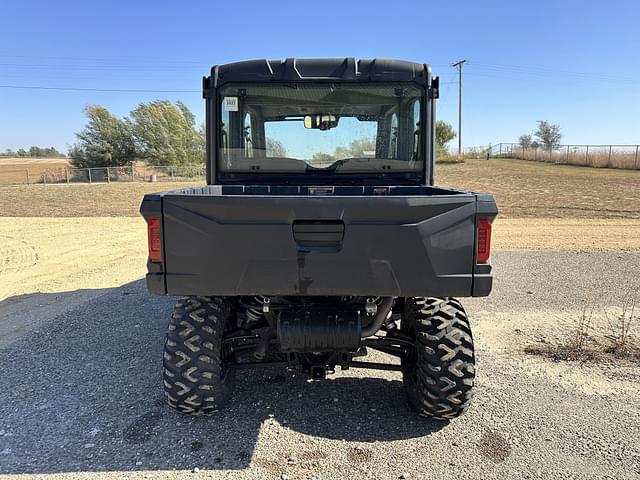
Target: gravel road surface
x=81, y=396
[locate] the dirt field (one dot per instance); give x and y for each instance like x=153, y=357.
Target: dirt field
x=28, y=161
x=62, y=254
x=27, y=170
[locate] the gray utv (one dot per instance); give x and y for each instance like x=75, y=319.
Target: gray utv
x=320, y=235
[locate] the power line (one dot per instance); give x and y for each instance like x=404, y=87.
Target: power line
x=545, y=71
x=117, y=78
x=95, y=59
x=536, y=77
x=40, y=66
x=79, y=89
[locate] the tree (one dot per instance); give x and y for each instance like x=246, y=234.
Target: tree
x=444, y=134
x=166, y=133
x=548, y=134
x=106, y=141
x=525, y=141
x=358, y=148
x=275, y=148
x=320, y=157
x=35, y=152
x=51, y=152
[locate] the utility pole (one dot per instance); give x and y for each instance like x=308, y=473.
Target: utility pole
x=458, y=65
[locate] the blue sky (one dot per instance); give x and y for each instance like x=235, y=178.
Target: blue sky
x=575, y=63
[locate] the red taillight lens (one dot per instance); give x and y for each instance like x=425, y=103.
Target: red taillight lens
x=483, y=243
x=153, y=231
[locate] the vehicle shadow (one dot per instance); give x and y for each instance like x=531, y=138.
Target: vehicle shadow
x=82, y=391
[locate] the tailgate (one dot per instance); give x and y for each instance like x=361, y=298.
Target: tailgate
x=322, y=245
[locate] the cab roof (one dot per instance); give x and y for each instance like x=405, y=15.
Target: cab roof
x=346, y=69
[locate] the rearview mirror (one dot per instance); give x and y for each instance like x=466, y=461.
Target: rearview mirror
x=321, y=121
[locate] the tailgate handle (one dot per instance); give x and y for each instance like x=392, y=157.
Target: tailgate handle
x=318, y=235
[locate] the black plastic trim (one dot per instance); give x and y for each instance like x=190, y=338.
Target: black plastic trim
x=346, y=69
x=156, y=283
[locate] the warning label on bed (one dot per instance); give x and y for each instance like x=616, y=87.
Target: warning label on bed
x=230, y=104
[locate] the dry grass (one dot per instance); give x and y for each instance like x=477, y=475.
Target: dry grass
x=523, y=190
x=621, y=327
x=615, y=341
x=78, y=200
x=626, y=157
x=534, y=189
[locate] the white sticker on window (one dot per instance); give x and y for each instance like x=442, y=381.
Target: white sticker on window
x=230, y=104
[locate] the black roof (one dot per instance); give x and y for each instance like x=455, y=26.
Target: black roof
x=319, y=69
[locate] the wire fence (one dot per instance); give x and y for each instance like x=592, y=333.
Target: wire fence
x=602, y=156
x=31, y=175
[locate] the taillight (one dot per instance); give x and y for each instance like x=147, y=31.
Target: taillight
x=153, y=231
x=483, y=242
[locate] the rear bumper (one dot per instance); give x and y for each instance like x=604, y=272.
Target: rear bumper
x=481, y=287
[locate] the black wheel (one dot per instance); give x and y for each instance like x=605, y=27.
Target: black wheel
x=441, y=370
x=195, y=381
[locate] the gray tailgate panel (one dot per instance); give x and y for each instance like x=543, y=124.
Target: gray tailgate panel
x=244, y=245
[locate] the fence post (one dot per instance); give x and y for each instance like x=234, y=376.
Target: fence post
x=108, y=176
x=637, y=157
x=586, y=158
x=609, y=161
x=535, y=154
x=133, y=173
x=567, y=153
x=500, y=153
x=171, y=172
x=89, y=170
x=66, y=170
x=28, y=182
x=44, y=178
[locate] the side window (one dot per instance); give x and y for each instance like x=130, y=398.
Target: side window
x=224, y=132
x=247, y=134
x=415, y=125
x=393, y=137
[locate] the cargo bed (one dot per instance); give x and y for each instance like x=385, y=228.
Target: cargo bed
x=302, y=240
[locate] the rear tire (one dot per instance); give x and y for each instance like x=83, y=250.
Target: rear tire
x=193, y=375
x=440, y=372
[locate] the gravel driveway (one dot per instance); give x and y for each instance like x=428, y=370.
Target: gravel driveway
x=81, y=397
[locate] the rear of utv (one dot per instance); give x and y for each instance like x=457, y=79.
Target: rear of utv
x=320, y=236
